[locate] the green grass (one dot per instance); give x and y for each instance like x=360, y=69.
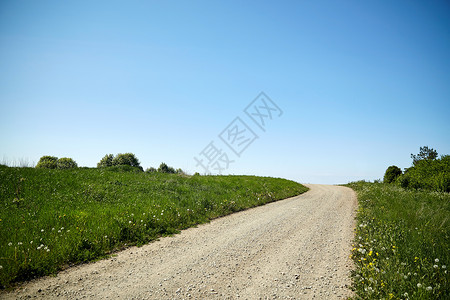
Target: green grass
x=401, y=249
x=53, y=218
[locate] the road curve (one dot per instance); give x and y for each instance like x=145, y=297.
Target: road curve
x=296, y=248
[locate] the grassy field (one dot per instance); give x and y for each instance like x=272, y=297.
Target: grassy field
x=53, y=218
x=402, y=245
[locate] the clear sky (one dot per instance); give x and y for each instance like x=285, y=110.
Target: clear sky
x=360, y=85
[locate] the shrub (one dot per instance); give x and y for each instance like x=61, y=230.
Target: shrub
x=164, y=168
x=428, y=174
x=121, y=159
x=391, y=174
x=106, y=161
x=126, y=159
x=66, y=163
x=151, y=170
x=47, y=162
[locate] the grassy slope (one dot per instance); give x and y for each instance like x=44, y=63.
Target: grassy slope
x=402, y=243
x=51, y=218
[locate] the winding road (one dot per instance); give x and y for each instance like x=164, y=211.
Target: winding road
x=296, y=248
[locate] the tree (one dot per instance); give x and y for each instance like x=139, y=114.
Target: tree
x=425, y=153
x=66, y=163
x=121, y=159
x=164, y=168
x=151, y=170
x=47, y=162
x=126, y=159
x=106, y=161
x=391, y=174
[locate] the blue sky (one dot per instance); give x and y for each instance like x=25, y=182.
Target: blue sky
x=361, y=85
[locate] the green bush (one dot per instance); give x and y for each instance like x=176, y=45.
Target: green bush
x=126, y=159
x=106, y=161
x=151, y=170
x=164, y=168
x=47, y=162
x=66, y=163
x=121, y=159
x=391, y=174
x=428, y=174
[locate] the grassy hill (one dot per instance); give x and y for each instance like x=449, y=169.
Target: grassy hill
x=401, y=248
x=53, y=218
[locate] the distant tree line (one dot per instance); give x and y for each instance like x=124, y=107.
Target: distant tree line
x=119, y=162
x=427, y=172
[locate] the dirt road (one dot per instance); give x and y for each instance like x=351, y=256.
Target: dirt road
x=296, y=248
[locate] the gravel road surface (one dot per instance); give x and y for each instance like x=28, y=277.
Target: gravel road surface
x=296, y=248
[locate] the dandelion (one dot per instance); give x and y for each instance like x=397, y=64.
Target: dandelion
x=429, y=288
x=405, y=294
x=31, y=242
x=419, y=285
x=53, y=229
x=436, y=260
x=42, y=230
x=9, y=244
x=48, y=250
x=142, y=221
x=444, y=266
x=1, y=267
x=129, y=222
x=435, y=266
x=19, y=243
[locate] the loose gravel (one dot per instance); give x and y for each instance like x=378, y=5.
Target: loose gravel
x=296, y=248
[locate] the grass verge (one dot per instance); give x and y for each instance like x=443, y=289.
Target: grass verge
x=401, y=249
x=53, y=218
